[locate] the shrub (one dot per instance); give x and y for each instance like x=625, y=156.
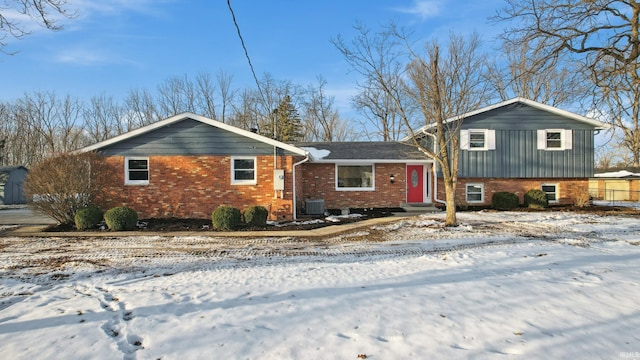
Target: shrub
x=505, y=201
x=536, y=199
x=226, y=218
x=583, y=199
x=256, y=216
x=121, y=218
x=60, y=186
x=88, y=217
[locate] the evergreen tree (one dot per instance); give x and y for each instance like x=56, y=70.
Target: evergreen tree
x=287, y=123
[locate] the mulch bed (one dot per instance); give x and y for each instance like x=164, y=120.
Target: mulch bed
x=176, y=224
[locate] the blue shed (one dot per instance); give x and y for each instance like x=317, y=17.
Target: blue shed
x=11, y=185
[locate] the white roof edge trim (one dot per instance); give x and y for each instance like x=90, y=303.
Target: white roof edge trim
x=596, y=123
x=202, y=119
x=372, y=161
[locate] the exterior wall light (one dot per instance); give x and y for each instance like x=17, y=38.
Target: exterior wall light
x=392, y=178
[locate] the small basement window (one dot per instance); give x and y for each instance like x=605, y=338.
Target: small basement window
x=552, y=192
x=475, y=193
x=136, y=171
x=243, y=170
x=354, y=177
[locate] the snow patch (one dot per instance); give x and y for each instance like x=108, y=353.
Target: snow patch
x=316, y=154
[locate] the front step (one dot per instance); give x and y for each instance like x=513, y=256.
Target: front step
x=419, y=208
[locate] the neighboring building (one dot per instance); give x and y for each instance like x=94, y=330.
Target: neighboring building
x=622, y=185
x=11, y=185
x=188, y=165
x=518, y=145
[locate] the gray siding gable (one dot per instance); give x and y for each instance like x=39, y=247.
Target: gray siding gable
x=516, y=154
x=189, y=137
x=520, y=116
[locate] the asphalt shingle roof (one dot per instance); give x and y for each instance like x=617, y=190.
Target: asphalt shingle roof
x=378, y=150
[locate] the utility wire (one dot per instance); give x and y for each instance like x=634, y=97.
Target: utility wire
x=246, y=53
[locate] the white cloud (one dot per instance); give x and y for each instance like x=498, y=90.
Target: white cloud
x=116, y=6
x=423, y=9
x=86, y=57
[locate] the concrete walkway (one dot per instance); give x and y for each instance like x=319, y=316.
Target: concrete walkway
x=37, y=231
x=23, y=215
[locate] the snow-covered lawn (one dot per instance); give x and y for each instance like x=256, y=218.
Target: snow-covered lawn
x=534, y=285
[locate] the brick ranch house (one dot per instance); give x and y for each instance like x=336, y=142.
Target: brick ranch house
x=187, y=165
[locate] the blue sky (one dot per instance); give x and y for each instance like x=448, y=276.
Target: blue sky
x=113, y=46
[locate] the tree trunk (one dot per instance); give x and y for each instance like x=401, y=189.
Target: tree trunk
x=450, y=196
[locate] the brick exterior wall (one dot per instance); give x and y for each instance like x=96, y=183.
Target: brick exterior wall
x=568, y=189
x=318, y=181
x=194, y=186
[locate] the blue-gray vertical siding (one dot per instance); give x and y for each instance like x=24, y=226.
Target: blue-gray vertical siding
x=516, y=154
x=189, y=137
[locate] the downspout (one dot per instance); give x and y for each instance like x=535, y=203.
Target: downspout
x=295, y=200
x=435, y=171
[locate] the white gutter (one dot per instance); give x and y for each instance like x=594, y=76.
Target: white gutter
x=435, y=184
x=435, y=170
x=295, y=200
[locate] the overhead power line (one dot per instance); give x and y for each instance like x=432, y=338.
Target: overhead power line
x=246, y=53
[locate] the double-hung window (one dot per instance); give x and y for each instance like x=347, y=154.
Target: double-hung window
x=243, y=170
x=478, y=139
x=355, y=177
x=555, y=139
x=136, y=171
x=475, y=193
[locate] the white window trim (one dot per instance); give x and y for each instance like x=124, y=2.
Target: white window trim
x=373, y=178
x=233, y=172
x=126, y=171
x=466, y=193
x=557, y=191
x=566, y=139
x=489, y=139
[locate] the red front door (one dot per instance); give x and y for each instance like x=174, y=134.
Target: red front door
x=415, y=183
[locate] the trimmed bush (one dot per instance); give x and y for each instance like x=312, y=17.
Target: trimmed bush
x=536, y=199
x=503, y=200
x=256, y=216
x=87, y=218
x=226, y=218
x=121, y=218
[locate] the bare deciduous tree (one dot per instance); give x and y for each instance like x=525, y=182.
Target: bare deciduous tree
x=17, y=15
x=322, y=121
x=433, y=86
x=176, y=95
x=103, y=118
x=45, y=125
x=141, y=109
x=604, y=35
x=227, y=94
x=379, y=59
x=245, y=111
x=443, y=87
x=518, y=71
